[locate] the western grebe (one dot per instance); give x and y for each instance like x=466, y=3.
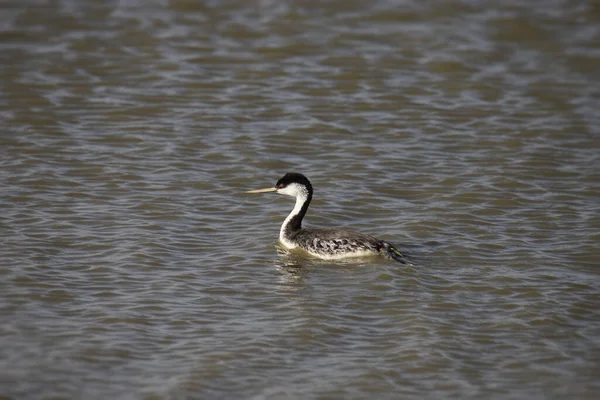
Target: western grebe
x=327, y=244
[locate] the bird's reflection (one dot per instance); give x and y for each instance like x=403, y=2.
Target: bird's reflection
x=295, y=266
x=291, y=262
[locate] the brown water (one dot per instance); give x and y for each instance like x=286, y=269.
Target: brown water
x=133, y=266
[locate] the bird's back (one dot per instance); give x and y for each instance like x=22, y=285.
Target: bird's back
x=336, y=243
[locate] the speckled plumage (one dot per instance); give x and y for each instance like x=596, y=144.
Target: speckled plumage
x=328, y=243
x=335, y=243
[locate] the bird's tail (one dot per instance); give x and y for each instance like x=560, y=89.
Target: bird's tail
x=393, y=253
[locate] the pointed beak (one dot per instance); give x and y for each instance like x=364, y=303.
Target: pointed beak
x=267, y=190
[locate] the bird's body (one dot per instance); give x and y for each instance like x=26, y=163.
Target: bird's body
x=331, y=244
x=324, y=243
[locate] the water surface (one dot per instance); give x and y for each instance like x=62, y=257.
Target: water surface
x=133, y=266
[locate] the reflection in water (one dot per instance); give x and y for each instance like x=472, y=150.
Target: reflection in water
x=292, y=267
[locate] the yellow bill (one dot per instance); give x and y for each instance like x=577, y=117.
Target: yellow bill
x=263, y=190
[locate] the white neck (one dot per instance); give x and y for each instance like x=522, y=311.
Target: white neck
x=300, y=199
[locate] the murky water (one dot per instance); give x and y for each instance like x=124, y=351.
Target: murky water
x=133, y=266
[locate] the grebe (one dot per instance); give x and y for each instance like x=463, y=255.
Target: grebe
x=326, y=244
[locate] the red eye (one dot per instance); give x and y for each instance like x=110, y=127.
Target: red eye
x=280, y=185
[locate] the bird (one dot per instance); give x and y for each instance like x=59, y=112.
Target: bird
x=323, y=243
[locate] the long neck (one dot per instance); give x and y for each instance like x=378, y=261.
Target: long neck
x=293, y=222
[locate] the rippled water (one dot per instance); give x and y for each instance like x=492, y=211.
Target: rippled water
x=133, y=266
